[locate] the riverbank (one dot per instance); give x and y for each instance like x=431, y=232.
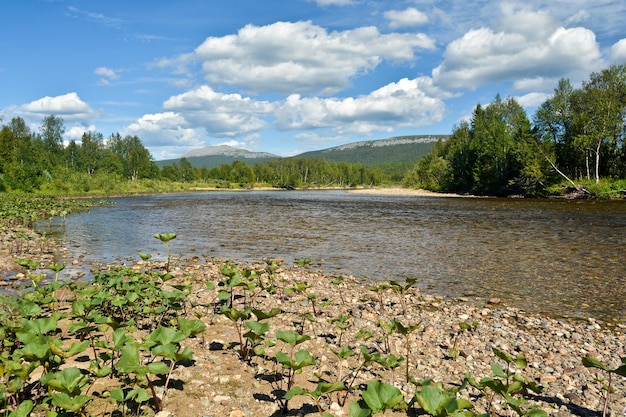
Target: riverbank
x=350, y=313
x=403, y=192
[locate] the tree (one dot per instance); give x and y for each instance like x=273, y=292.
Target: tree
x=51, y=132
x=600, y=110
x=90, y=151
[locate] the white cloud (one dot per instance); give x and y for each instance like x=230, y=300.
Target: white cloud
x=68, y=106
x=405, y=18
x=221, y=115
x=579, y=17
x=164, y=129
x=106, y=74
x=407, y=103
x=532, y=99
x=334, y=2
x=75, y=132
x=301, y=57
x=618, y=52
x=531, y=44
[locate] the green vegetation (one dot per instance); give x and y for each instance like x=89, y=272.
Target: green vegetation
x=38, y=162
x=577, y=139
x=125, y=323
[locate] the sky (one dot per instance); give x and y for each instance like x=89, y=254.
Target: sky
x=290, y=76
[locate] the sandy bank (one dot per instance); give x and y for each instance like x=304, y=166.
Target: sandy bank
x=402, y=191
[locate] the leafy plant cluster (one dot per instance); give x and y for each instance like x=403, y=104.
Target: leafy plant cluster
x=369, y=367
x=25, y=210
x=577, y=134
x=67, y=345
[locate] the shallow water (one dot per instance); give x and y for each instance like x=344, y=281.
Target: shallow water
x=562, y=258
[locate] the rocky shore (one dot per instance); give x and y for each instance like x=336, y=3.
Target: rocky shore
x=220, y=383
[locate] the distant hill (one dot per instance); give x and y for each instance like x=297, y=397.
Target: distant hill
x=399, y=149
x=396, y=150
x=214, y=156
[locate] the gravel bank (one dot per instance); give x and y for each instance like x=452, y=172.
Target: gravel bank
x=219, y=383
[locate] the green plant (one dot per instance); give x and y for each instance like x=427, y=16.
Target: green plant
x=405, y=331
x=378, y=398
x=591, y=362
x=438, y=401
x=509, y=384
x=165, y=238
x=321, y=390
x=463, y=327
x=401, y=290
x=343, y=323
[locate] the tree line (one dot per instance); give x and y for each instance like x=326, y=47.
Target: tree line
x=32, y=161
x=577, y=136
x=281, y=173
x=40, y=161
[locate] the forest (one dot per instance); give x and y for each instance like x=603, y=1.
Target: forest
x=576, y=141
x=40, y=162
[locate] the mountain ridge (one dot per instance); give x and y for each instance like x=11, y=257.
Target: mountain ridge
x=397, y=149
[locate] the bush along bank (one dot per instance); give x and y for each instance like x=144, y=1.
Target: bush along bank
x=211, y=337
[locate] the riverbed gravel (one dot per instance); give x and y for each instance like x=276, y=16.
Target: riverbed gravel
x=220, y=383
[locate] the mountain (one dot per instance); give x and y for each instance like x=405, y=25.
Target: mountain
x=395, y=150
x=214, y=156
x=399, y=149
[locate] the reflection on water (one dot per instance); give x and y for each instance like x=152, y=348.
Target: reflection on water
x=564, y=258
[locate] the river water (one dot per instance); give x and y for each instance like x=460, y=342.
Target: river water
x=561, y=258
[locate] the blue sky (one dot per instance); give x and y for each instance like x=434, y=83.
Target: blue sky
x=290, y=76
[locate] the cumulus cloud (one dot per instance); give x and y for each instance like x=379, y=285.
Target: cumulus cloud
x=75, y=132
x=68, y=106
x=407, y=103
x=532, y=99
x=531, y=43
x=405, y=18
x=618, y=52
x=221, y=115
x=301, y=57
x=106, y=75
x=162, y=129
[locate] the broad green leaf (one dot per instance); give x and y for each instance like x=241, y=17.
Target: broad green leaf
x=129, y=359
x=258, y=327
x=157, y=368
x=295, y=391
x=291, y=337
x=69, y=380
x=502, y=355
x=118, y=395
x=381, y=396
x=521, y=361
x=166, y=335
x=591, y=362
x=167, y=351
x=190, y=327
x=165, y=237
x=264, y=315
x=185, y=355
x=431, y=399
x=359, y=409
x=497, y=370
x=71, y=404
x=23, y=410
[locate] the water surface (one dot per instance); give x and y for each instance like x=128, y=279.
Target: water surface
x=563, y=258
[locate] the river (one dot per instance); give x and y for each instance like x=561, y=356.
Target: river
x=556, y=257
